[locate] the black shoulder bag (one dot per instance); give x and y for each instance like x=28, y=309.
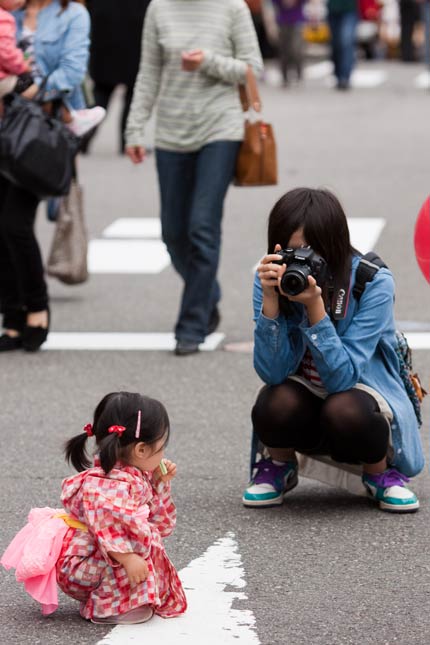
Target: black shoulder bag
x=37, y=151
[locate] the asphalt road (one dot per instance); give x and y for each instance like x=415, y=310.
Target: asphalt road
x=327, y=568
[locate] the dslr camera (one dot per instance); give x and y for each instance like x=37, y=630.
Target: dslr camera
x=301, y=263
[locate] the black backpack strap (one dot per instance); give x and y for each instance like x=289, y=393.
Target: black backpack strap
x=369, y=265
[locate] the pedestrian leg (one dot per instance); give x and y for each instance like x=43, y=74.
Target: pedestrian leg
x=176, y=173
x=214, y=172
x=283, y=53
x=22, y=282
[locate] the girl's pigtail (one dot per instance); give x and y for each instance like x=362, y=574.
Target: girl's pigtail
x=109, y=451
x=75, y=452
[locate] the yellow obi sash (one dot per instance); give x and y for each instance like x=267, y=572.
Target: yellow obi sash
x=71, y=521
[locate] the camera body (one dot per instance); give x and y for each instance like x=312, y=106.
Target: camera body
x=301, y=263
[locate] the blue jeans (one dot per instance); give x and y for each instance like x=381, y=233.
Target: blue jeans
x=425, y=16
x=342, y=28
x=193, y=186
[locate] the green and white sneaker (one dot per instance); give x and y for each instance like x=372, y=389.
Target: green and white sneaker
x=389, y=490
x=270, y=482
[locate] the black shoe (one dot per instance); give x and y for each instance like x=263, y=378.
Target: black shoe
x=214, y=320
x=34, y=337
x=186, y=347
x=343, y=86
x=9, y=343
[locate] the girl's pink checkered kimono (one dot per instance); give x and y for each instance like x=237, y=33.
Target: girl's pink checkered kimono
x=124, y=511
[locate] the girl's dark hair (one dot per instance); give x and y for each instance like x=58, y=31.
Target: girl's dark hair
x=325, y=228
x=119, y=409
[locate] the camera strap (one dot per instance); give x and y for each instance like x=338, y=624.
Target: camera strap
x=339, y=301
x=369, y=265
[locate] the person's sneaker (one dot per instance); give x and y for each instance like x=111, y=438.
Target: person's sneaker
x=270, y=482
x=389, y=490
x=85, y=120
x=133, y=617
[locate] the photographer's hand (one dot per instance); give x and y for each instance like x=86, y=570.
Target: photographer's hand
x=311, y=298
x=270, y=275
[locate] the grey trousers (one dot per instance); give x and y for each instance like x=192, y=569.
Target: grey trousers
x=291, y=49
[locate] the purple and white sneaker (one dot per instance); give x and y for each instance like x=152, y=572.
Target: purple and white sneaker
x=389, y=490
x=270, y=482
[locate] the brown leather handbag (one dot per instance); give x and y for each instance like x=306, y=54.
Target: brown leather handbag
x=256, y=163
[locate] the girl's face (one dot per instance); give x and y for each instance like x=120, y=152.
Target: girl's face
x=147, y=457
x=11, y=5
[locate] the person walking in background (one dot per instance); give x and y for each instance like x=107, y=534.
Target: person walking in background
x=425, y=17
x=106, y=548
x=116, y=33
x=410, y=15
x=193, y=58
x=256, y=8
x=56, y=33
x=290, y=19
x=343, y=20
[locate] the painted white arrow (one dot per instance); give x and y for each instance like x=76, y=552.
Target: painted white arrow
x=210, y=617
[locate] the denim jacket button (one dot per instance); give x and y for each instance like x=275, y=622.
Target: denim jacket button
x=314, y=336
x=399, y=450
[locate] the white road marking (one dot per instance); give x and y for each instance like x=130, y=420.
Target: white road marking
x=364, y=78
x=134, y=227
x=319, y=70
x=118, y=341
x=422, y=81
x=418, y=340
x=368, y=78
x=365, y=232
x=210, y=618
x=127, y=256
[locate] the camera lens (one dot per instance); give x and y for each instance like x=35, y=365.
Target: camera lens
x=295, y=280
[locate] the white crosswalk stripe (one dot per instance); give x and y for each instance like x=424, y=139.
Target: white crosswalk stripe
x=362, y=77
x=120, y=341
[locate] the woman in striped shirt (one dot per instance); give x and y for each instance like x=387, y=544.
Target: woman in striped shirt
x=194, y=55
x=333, y=390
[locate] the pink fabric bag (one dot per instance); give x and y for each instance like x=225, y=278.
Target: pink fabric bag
x=34, y=552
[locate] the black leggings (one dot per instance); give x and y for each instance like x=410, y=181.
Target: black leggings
x=347, y=426
x=22, y=282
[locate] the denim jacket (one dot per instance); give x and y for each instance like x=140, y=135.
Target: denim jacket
x=360, y=349
x=61, y=48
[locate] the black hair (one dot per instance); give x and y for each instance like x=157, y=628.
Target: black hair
x=325, y=228
x=119, y=408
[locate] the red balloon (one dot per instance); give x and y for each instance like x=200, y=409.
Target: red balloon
x=422, y=239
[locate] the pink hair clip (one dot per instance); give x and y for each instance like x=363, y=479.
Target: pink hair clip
x=139, y=417
x=88, y=429
x=117, y=430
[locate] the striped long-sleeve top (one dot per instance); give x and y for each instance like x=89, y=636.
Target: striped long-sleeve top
x=193, y=108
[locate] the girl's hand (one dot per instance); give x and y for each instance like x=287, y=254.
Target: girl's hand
x=307, y=297
x=311, y=298
x=192, y=60
x=136, y=568
x=135, y=153
x=157, y=475
x=270, y=274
